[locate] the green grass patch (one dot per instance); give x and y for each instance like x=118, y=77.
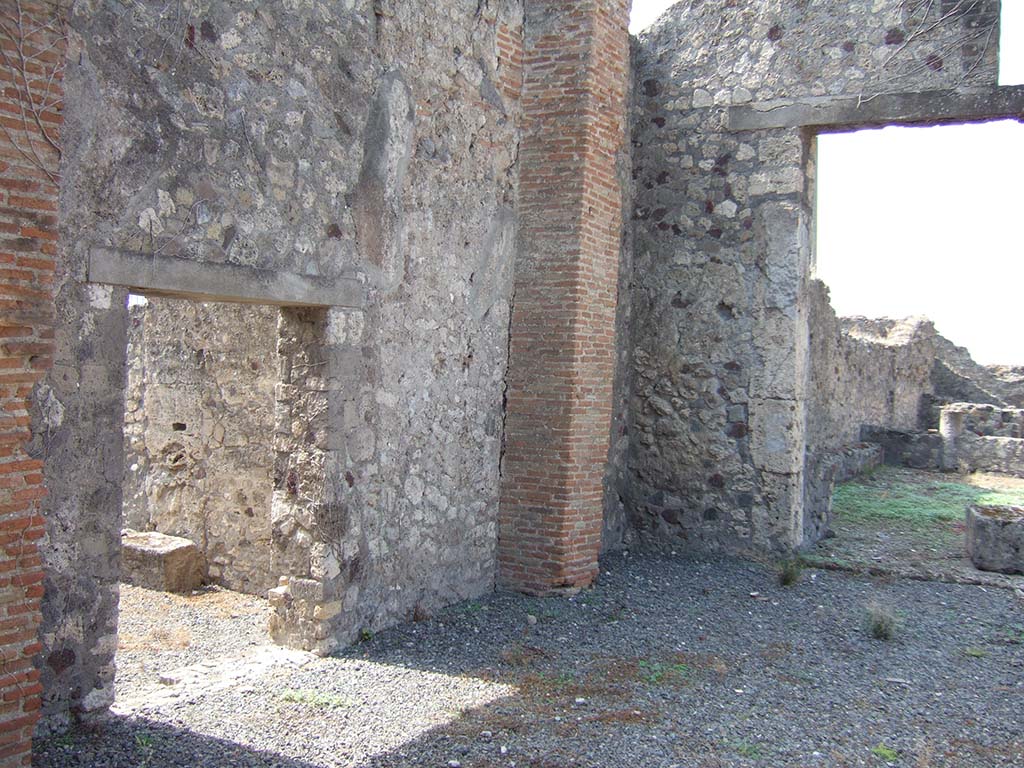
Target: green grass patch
x=315, y=699
x=656, y=672
x=887, y=497
x=746, y=749
x=886, y=753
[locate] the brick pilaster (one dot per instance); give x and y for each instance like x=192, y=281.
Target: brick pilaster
x=562, y=347
x=29, y=70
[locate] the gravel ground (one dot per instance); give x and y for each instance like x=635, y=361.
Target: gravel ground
x=159, y=632
x=668, y=661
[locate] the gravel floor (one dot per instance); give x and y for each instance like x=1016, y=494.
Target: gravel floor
x=666, y=662
x=159, y=632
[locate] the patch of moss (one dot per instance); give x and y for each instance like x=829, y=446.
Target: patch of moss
x=892, y=497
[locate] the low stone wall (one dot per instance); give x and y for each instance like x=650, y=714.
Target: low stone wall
x=199, y=428
x=990, y=420
x=990, y=454
x=979, y=438
x=906, y=448
x=829, y=469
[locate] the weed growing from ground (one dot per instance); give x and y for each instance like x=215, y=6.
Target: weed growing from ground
x=881, y=622
x=657, y=672
x=746, y=749
x=790, y=571
x=886, y=753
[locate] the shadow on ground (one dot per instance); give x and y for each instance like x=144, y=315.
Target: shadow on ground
x=668, y=661
x=138, y=742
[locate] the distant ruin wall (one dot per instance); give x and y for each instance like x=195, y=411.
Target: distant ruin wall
x=863, y=371
x=199, y=432
x=723, y=243
x=956, y=377
x=990, y=421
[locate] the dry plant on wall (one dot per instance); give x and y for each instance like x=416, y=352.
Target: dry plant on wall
x=929, y=22
x=162, y=32
x=33, y=65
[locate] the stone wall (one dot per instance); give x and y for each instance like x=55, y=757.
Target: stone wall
x=956, y=377
x=723, y=243
x=1004, y=455
x=863, y=371
x=982, y=438
x=199, y=432
x=28, y=234
x=294, y=144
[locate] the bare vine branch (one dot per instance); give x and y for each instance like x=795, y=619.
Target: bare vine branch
x=34, y=68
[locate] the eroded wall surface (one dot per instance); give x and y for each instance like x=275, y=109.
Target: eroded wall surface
x=199, y=432
x=723, y=243
x=319, y=140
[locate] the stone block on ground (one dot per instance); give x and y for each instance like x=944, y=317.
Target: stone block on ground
x=157, y=561
x=995, y=538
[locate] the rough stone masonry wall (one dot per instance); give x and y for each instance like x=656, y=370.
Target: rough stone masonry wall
x=723, y=243
x=982, y=438
x=862, y=372
x=956, y=377
x=318, y=140
x=28, y=231
x=563, y=343
x=199, y=432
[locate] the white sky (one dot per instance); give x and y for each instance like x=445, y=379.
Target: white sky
x=926, y=221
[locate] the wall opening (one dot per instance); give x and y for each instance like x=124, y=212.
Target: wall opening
x=198, y=483
x=915, y=244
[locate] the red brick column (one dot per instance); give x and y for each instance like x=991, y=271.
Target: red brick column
x=562, y=348
x=29, y=69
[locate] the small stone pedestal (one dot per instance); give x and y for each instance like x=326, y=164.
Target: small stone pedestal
x=157, y=561
x=995, y=538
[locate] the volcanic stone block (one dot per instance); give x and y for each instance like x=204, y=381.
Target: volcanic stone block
x=995, y=538
x=157, y=561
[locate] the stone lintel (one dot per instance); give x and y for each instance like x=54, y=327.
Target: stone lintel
x=203, y=281
x=844, y=113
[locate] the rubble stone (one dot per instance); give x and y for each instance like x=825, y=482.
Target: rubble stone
x=157, y=561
